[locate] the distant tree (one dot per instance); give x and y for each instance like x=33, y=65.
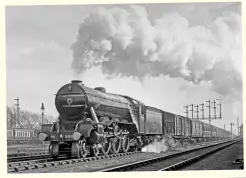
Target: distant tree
x=26, y=119
x=9, y=117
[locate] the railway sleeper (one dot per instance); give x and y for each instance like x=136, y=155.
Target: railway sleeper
x=20, y=168
x=33, y=165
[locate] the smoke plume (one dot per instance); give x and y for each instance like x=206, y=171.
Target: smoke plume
x=124, y=42
x=165, y=144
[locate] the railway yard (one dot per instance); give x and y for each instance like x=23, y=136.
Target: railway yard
x=137, y=87
x=200, y=156
x=98, y=131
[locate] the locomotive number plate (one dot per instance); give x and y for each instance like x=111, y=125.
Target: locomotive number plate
x=68, y=136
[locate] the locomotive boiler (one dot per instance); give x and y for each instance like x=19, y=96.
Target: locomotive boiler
x=92, y=121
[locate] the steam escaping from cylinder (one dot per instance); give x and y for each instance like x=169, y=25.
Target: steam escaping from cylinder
x=165, y=144
x=124, y=42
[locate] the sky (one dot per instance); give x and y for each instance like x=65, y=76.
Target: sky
x=165, y=55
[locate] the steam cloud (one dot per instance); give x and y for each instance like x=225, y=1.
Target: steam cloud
x=165, y=144
x=124, y=42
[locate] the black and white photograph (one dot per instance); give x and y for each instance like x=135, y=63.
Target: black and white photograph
x=130, y=87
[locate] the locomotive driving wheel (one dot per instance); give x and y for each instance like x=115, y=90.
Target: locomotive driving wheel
x=106, y=147
x=125, y=144
x=95, y=150
x=115, y=145
x=82, y=150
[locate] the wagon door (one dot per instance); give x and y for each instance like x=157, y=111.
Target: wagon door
x=201, y=129
x=178, y=126
x=168, y=123
x=187, y=126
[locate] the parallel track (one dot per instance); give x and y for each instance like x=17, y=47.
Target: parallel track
x=33, y=165
x=138, y=164
x=27, y=158
x=194, y=159
x=15, y=165
x=25, y=151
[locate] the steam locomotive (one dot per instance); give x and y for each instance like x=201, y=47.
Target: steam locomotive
x=94, y=122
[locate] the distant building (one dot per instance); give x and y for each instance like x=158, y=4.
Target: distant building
x=241, y=130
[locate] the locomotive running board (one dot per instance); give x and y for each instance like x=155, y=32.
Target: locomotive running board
x=73, y=106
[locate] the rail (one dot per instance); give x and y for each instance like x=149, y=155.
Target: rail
x=136, y=164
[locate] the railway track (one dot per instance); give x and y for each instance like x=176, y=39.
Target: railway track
x=173, y=161
x=27, y=158
x=182, y=164
x=14, y=151
x=32, y=165
x=13, y=155
x=42, y=164
x=14, y=166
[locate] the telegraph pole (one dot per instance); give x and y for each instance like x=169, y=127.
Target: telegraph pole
x=224, y=126
x=209, y=115
x=212, y=105
x=219, y=107
x=214, y=108
x=17, y=111
x=42, y=111
x=202, y=110
x=186, y=110
x=197, y=111
x=192, y=110
x=237, y=126
x=231, y=126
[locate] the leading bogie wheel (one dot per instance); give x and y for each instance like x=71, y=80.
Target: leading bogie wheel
x=82, y=151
